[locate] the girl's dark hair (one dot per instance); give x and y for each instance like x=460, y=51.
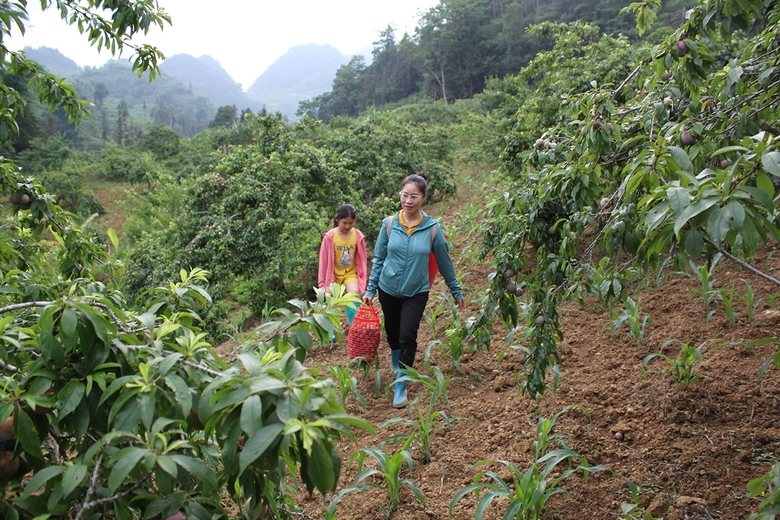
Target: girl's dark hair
x=420, y=180
x=344, y=211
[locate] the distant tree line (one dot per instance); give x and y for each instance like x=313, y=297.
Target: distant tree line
x=458, y=45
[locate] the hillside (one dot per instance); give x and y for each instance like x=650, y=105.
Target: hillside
x=207, y=77
x=302, y=72
x=690, y=448
x=54, y=61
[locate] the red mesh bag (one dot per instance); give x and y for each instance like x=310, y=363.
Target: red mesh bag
x=363, y=337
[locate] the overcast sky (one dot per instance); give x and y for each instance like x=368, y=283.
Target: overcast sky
x=245, y=36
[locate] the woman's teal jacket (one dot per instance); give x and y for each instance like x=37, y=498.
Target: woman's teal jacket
x=400, y=265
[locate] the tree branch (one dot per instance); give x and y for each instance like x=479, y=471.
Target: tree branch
x=628, y=78
x=744, y=264
x=92, y=486
x=93, y=483
x=7, y=367
x=102, y=306
x=25, y=305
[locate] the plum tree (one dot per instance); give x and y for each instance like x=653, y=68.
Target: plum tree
x=122, y=379
x=657, y=168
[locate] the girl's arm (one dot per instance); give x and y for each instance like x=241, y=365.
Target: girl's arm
x=360, y=262
x=325, y=261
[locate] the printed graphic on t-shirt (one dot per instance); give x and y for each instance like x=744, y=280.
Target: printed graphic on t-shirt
x=345, y=251
x=346, y=255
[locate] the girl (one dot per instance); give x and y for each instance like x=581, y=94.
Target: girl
x=400, y=273
x=343, y=255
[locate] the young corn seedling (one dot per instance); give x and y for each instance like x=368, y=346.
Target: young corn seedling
x=706, y=282
x=389, y=470
x=751, y=304
x=436, y=387
x=530, y=490
x=727, y=299
x=456, y=341
x=432, y=318
x=630, y=315
x=346, y=385
x=684, y=365
x=428, y=423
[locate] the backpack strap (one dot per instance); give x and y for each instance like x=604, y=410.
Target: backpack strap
x=434, y=229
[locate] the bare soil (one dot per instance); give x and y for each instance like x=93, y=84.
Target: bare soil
x=691, y=449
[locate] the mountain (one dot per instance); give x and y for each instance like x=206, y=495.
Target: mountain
x=54, y=61
x=166, y=101
x=207, y=77
x=302, y=72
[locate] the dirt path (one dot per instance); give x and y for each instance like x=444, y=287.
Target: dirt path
x=690, y=448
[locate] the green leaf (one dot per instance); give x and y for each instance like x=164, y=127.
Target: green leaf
x=759, y=195
x=264, y=383
x=252, y=415
x=679, y=199
x=181, y=391
x=251, y=364
x=416, y=491
x=657, y=215
x=167, y=363
x=68, y=322
x=737, y=214
x=691, y=211
x=168, y=465
x=70, y=397
x=321, y=471
x=680, y=156
x=719, y=224
x=146, y=408
x=750, y=237
x=112, y=236
x=27, y=434
x=301, y=338
x=288, y=407
x=40, y=478
x=126, y=463
x=771, y=162
x=73, y=477
x=258, y=443
x=351, y=420
x=764, y=183
x=727, y=149
x=202, y=472
x=694, y=243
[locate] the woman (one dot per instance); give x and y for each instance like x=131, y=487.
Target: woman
x=400, y=274
x=343, y=256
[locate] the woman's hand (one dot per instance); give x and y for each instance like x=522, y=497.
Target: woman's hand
x=368, y=300
x=461, y=304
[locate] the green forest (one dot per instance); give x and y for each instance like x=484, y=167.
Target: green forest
x=619, y=138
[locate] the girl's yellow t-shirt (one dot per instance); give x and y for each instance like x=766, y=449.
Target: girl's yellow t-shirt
x=344, y=269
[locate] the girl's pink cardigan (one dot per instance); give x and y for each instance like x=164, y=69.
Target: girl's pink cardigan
x=328, y=257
